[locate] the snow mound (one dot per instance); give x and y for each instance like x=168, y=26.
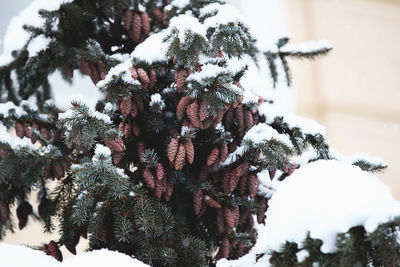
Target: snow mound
x=11, y=257
x=325, y=198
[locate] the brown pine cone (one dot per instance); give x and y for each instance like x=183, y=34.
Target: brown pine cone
x=189, y=151
x=226, y=182
x=197, y=201
x=127, y=130
x=152, y=78
x=193, y=113
x=158, y=189
x=203, y=111
x=207, y=123
x=240, y=117
x=271, y=171
x=213, y=156
x=240, y=250
x=224, y=152
x=133, y=72
x=160, y=173
x=134, y=110
x=243, y=215
x=94, y=73
x=55, y=251
x=180, y=157
x=182, y=106
x=136, y=27
x=140, y=149
x=125, y=107
x=19, y=130
x=140, y=102
x=224, y=248
x=180, y=79
x=243, y=185
x=248, y=117
x=128, y=19
x=253, y=184
x=158, y=15
x=234, y=180
x=4, y=210
x=236, y=215
x=100, y=68
x=149, y=178
x=143, y=78
x=229, y=217
x=220, y=221
x=229, y=117
x=47, y=171
x=117, y=157
x=121, y=127
x=145, y=23
x=85, y=68
x=211, y=202
x=262, y=210
x=118, y=145
x=43, y=208
x=172, y=149
x=28, y=132
x=58, y=170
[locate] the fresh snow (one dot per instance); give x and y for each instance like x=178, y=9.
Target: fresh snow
x=22, y=256
x=152, y=50
x=121, y=69
x=225, y=14
x=325, y=198
x=207, y=71
x=155, y=99
x=263, y=132
x=186, y=23
x=13, y=141
x=102, y=150
x=177, y=4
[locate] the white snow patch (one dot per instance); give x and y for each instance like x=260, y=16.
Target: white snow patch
x=177, y=4
x=302, y=255
x=225, y=14
x=262, y=132
x=13, y=141
x=155, y=99
x=186, y=23
x=325, y=198
x=11, y=257
x=207, y=71
x=102, y=150
x=121, y=69
x=153, y=49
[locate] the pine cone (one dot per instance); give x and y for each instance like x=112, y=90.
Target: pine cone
x=100, y=68
x=140, y=102
x=47, y=171
x=213, y=156
x=143, y=78
x=180, y=79
x=224, y=248
x=271, y=171
x=58, y=170
x=253, y=185
x=19, y=130
x=149, y=178
x=220, y=221
x=240, y=250
x=128, y=19
x=168, y=192
x=127, y=130
x=125, y=107
x=193, y=113
x=229, y=117
x=197, y=201
x=118, y=145
x=189, y=151
x=145, y=23
x=55, y=251
x=85, y=68
x=158, y=190
x=117, y=157
x=24, y=209
x=262, y=210
x=121, y=127
x=158, y=15
x=203, y=111
x=243, y=215
x=224, y=152
x=180, y=157
x=140, y=149
x=236, y=215
x=211, y=202
x=133, y=72
x=134, y=110
x=172, y=149
x=4, y=210
x=226, y=182
x=160, y=173
x=248, y=119
x=207, y=123
x=240, y=117
x=229, y=218
x=243, y=185
x=136, y=27
x=136, y=129
x=152, y=78
x=94, y=73
x=182, y=106
x=43, y=208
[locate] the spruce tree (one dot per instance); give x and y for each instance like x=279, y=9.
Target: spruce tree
x=165, y=169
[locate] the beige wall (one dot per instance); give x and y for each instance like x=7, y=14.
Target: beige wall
x=354, y=91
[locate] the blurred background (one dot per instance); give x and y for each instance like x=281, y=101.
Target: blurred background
x=354, y=91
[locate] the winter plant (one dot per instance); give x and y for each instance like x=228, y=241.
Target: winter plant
x=167, y=168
